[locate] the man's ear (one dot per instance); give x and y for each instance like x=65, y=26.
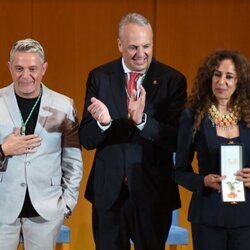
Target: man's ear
x=45, y=66
x=119, y=42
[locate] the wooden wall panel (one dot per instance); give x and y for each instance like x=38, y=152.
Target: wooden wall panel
x=15, y=23
x=187, y=31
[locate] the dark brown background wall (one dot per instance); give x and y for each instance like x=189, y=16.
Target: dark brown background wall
x=78, y=35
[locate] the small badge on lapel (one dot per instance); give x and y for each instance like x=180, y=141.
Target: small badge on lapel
x=155, y=82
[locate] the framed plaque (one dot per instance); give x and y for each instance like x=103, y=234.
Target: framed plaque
x=231, y=161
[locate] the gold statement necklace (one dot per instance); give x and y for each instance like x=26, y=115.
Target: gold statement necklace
x=221, y=121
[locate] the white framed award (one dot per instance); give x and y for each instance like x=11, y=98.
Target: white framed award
x=231, y=161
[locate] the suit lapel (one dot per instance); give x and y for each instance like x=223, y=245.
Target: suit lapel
x=117, y=84
x=46, y=101
x=151, y=82
x=211, y=139
x=12, y=106
x=209, y=131
x=244, y=140
x=243, y=134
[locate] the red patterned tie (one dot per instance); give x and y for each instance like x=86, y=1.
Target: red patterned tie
x=134, y=76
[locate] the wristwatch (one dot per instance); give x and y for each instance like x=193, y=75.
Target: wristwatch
x=67, y=212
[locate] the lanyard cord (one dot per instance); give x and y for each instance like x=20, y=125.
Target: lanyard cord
x=24, y=123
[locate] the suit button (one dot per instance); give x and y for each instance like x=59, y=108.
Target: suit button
x=23, y=184
x=27, y=163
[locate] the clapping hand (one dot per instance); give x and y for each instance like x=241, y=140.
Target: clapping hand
x=136, y=105
x=99, y=111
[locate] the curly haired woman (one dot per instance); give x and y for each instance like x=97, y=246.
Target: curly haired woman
x=218, y=112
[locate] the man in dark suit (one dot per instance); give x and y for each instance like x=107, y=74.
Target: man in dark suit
x=134, y=134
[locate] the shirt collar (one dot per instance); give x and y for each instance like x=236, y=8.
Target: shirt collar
x=126, y=69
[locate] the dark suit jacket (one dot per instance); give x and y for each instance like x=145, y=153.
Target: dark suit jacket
x=145, y=157
x=206, y=206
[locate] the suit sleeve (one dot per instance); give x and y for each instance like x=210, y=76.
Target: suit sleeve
x=72, y=166
x=184, y=174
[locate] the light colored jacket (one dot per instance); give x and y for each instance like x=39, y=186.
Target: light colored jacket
x=53, y=173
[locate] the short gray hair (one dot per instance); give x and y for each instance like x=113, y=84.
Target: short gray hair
x=27, y=45
x=133, y=18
